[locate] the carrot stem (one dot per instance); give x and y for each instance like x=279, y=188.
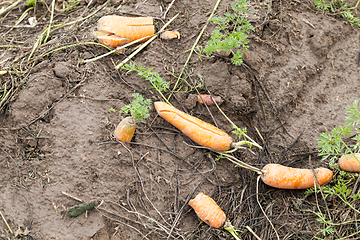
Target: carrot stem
x=145, y=44
x=230, y=228
x=240, y=163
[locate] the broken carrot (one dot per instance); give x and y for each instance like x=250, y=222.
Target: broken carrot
x=205, y=98
x=203, y=133
x=350, y=162
x=279, y=176
x=125, y=130
x=167, y=35
x=208, y=211
x=118, y=30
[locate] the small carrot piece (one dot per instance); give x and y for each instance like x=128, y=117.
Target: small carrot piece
x=279, y=176
x=203, y=133
x=167, y=35
x=205, y=98
x=350, y=162
x=208, y=211
x=127, y=28
x=109, y=39
x=125, y=130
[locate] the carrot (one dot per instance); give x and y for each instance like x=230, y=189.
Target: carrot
x=350, y=162
x=199, y=131
x=205, y=98
x=125, y=130
x=208, y=211
x=167, y=35
x=127, y=29
x=279, y=176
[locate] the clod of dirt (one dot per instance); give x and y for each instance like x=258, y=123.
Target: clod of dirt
x=62, y=69
x=253, y=59
x=41, y=92
x=40, y=66
x=190, y=102
x=239, y=101
x=319, y=43
x=240, y=85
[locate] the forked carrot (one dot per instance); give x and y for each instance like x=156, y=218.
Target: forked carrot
x=125, y=130
x=350, y=162
x=208, y=211
x=199, y=131
x=205, y=98
x=117, y=30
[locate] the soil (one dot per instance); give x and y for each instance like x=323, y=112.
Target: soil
x=56, y=146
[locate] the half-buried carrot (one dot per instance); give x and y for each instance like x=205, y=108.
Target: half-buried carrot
x=208, y=211
x=205, y=98
x=350, y=162
x=199, y=131
x=126, y=29
x=125, y=130
x=279, y=176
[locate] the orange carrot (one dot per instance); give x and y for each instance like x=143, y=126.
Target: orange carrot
x=199, y=131
x=279, y=176
x=125, y=130
x=350, y=162
x=208, y=211
x=207, y=99
x=167, y=35
x=109, y=39
x=126, y=29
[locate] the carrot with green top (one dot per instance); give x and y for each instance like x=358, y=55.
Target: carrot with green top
x=350, y=162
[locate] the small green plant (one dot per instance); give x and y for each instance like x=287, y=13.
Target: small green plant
x=153, y=77
x=332, y=145
x=338, y=7
x=231, y=33
x=111, y=110
x=32, y=2
x=70, y=5
x=138, y=108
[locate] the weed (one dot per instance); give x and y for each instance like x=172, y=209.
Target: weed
x=332, y=145
x=138, y=108
x=111, y=110
x=338, y=7
x=231, y=33
x=32, y=2
x=70, y=5
x=153, y=77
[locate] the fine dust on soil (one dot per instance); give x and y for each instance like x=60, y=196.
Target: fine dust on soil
x=300, y=72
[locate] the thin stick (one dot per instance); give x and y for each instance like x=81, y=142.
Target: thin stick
x=145, y=44
x=257, y=199
x=77, y=199
x=196, y=42
x=168, y=8
x=6, y=222
x=51, y=20
x=4, y=10
x=253, y=233
x=239, y=163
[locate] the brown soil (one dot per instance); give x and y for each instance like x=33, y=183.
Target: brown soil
x=299, y=73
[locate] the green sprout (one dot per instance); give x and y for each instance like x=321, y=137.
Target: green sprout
x=231, y=33
x=138, y=108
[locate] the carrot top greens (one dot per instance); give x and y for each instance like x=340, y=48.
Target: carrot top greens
x=138, y=108
x=231, y=32
x=332, y=144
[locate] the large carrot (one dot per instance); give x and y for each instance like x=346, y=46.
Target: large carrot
x=125, y=130
x=127, y=28
x=350, y=162
x=203, y=133
x=279, y=176
x=208, y=211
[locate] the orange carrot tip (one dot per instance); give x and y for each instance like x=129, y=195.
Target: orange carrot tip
x=208, y=99
x=167, y=35
x=203, y=133
x=125, y=130
x=350, y=162
x=279, y=176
